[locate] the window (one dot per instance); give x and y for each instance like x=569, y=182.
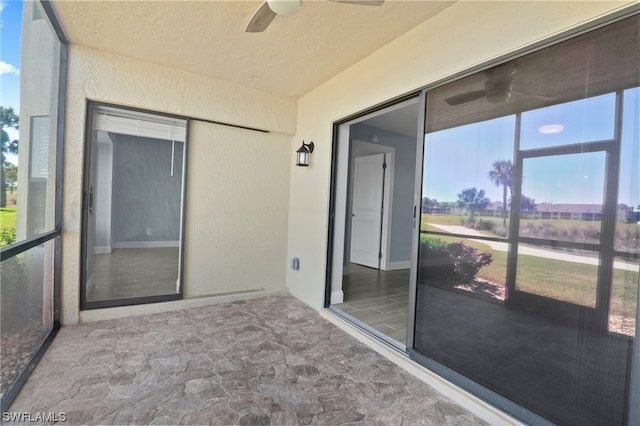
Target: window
x=32, y=117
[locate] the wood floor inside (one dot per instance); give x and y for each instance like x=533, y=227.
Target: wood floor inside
x=134, y=272
x=378, y=299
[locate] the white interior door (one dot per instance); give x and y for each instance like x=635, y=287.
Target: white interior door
x=366, y=218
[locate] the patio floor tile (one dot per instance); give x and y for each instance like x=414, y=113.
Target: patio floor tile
x=271, y=360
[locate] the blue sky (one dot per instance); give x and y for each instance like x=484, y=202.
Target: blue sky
x=461, y=157
x=10, y=25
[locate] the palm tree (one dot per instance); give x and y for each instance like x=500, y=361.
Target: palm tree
x=8, y=118
x=502, y=174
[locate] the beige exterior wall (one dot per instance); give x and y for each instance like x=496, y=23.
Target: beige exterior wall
x=237, y=183
x=464, y=35
x=238, y=200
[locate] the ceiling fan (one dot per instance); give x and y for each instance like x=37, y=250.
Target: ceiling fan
x=498, y=88
x=263, y=16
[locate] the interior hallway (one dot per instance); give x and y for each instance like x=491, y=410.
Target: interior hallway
x=272, y=360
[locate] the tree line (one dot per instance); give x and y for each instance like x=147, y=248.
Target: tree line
x=8, y=171
x=474, y=200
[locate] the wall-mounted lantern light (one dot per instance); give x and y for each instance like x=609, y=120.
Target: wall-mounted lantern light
x=303, y=153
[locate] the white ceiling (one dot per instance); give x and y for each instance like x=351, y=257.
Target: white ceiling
x=294, y=55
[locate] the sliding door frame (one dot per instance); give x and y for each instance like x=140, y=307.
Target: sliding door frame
x=86, y=195
x=333, y=251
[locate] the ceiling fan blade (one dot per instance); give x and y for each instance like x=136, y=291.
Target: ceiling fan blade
x=261, y=19
x=361, y=2
x=533, y=95
x=465, y=97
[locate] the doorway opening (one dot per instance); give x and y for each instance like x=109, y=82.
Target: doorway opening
x=373, y=230
x=133, y=207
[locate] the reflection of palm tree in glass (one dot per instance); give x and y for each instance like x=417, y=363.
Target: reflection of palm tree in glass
x=502, y=174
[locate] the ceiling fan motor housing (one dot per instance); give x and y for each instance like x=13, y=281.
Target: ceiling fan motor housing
x=499, y=84
x=499, y=92
x=285, y=7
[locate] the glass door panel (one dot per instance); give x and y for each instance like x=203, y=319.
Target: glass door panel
x=133, y=209
x=566, y=193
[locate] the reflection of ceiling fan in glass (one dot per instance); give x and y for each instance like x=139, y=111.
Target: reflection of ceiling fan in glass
x=498, y=88
x=263, y=16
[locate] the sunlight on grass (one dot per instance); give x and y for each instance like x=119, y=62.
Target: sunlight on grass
x=542, y=276
x=7, y=218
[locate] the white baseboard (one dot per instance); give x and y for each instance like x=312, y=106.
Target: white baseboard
x=146, y=244
x=102, y=250
x=337, y=297
x=394, y=266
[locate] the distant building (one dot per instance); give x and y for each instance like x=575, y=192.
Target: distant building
x=587, y=212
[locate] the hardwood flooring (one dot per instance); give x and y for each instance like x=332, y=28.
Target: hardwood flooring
x=139, y=272
x=378, y=299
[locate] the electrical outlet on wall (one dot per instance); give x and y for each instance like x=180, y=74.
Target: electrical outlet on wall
x=149, y=233
x=295, y=263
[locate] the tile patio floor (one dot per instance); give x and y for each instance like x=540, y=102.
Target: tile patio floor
x=265, y=361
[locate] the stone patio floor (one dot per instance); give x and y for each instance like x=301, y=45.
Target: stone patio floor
x=271, y=360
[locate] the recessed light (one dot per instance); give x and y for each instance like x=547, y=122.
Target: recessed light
x=550, y=129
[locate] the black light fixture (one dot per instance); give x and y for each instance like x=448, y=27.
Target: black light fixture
x=302, y=154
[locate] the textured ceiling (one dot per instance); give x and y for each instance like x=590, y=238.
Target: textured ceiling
x=294, y=55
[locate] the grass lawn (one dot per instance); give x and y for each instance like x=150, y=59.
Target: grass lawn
x=567, y=281
x=7, y=217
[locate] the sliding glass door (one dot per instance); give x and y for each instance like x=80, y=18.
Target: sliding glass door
x=524, y=256
x=527, y=282
x=373, y=223
x=134, y=196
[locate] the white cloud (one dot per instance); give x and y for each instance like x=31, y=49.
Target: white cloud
x=6, y=68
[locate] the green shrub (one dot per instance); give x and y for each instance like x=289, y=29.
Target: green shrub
x=485, y=225
x=7, y=236
x=467, y=262
x=452, y=263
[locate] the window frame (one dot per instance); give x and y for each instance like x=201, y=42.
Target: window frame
x=19, y=247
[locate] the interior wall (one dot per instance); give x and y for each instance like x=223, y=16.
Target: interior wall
x=105, y=77
x=146, y=200
x=464, y=35
x=403, y=181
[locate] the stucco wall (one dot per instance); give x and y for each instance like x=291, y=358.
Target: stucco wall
x=236, y=222
x=462, y=36
x=217, y=156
